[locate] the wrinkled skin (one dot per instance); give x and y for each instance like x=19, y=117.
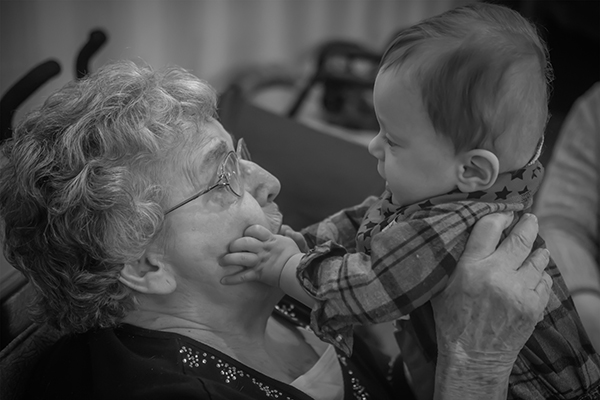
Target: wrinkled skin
x=490, y=307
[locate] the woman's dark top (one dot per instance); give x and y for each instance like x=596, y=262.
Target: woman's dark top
x=129, y=362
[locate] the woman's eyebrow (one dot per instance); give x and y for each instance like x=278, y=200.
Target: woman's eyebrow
x=215, y=154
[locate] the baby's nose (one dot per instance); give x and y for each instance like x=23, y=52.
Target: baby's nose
x=375, y=148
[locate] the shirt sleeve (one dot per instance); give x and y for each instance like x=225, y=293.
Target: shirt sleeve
x=410, y=262
x=341, y=227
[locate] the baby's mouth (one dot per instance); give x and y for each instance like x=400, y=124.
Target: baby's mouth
x=380, y=171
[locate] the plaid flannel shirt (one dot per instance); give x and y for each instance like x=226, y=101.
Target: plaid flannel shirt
x=378, y=262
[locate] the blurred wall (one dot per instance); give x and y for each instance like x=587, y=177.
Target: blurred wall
x=209, y=37
x=213, y=38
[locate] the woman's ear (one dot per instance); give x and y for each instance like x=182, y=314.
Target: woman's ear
x=149, y=275
x=478, y=170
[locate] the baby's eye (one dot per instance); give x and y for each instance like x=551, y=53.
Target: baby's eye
x=390, y=143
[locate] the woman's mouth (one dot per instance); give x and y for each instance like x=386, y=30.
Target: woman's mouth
x=274, y=217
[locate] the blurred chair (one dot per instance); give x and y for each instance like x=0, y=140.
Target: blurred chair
x=15, y=296
x=21, y=90
x=346, y=72
x=39, y=75
x=319, y=173
x=23, y=342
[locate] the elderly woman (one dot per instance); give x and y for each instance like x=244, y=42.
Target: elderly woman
x=120, y=196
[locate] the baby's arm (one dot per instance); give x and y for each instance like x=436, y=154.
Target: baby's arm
x=267, y=258
x=340, y=227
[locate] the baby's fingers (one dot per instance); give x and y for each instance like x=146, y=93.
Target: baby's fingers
x=299, y=240
x=243, y=259
x=259, y=232
x=247, y=275
x=284, y=229
x=245, y=243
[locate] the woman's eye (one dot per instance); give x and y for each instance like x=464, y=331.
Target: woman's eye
x=222, y=196
x=220, y=191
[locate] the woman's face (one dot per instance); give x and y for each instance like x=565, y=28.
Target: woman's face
x=198, y=234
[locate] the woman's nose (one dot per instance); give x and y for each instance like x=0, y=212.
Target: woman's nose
x=260, y=183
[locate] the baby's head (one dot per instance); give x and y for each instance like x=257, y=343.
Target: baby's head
x=463, y=94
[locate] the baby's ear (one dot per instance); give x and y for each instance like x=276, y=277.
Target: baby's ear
x=149, y=275
x=478, y=170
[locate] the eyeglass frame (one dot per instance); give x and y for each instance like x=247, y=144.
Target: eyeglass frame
x=241, y=153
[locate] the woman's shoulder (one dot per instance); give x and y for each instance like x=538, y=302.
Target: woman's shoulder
x=132, y=362
x=124, y=362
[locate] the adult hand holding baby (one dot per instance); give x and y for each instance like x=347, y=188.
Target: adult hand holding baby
x=489, y=308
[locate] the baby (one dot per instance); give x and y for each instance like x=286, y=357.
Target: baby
x=461, y=100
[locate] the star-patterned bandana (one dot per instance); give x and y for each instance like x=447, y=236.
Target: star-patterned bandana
x=510, y=187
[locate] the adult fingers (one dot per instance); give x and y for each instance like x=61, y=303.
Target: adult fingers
x=486, y=234
x=543, y=289
x=539, y=260
x=539, y=284
x=531, y=270
x=519, y=242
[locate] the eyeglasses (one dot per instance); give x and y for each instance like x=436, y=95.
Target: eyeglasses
x=228, y=174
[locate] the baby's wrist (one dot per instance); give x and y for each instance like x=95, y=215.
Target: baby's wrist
x=289, y=283
x=289, y=269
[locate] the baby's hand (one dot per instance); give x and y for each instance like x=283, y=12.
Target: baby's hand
x=261, y=253
x=287, y=230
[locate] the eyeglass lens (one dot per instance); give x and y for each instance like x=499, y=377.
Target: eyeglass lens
x=242, y=150
x=231, y=173
x=231, y=167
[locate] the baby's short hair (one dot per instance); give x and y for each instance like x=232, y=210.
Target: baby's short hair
x=483, y=75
